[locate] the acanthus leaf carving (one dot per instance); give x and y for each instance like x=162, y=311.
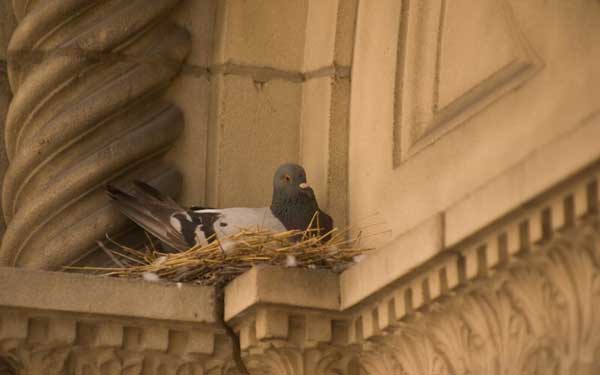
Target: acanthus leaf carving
x=539, y=316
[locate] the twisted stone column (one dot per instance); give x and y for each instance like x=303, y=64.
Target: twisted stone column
x=87, y=77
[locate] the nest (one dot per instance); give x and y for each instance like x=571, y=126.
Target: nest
x=222, y=260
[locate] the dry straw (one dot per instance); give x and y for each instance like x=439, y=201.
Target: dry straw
x=222, y=260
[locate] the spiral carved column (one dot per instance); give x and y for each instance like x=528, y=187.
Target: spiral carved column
x=87, y=76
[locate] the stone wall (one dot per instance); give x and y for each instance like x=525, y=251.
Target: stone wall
x=454, y=94
x=463, y=134
x=7, y=25
x=281, y=76
x=507, y=301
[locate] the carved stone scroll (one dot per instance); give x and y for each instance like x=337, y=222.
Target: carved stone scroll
x=87, y=78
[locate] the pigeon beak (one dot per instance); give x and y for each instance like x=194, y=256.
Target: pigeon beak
x=306, y=190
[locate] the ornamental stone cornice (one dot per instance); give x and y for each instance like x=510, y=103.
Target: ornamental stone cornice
x=60, y=323
x=521, y=296
x=522, y=293
x=536, y=315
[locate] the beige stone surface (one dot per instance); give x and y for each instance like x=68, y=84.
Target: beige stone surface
x=326, y=101
x=256, y=129
x=87, y=294
x=191, y=92
x=549, y=105
x=274, y=102
x=315, y=131
x=501, y=311
x=444, y=132
x=188, y=154
x=482, y=285
x=391, y=261
x=345, y=32
x=271, y=324
x=261, y=33
x=339, y=133
x=483, y=53
x=525, y=180
x=61, y=323
x=321, y=27
x=5, y=97
x=283, y=286
x=84, y=117
x=7, y=25
x=198, y=18
x=525, y=229
x=385, y=334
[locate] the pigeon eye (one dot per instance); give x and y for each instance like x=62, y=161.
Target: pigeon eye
x=287, y=178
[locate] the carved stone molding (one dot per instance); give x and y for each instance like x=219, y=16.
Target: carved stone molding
x=64, y=323
x=520, y=296
x=434, y=92
x=46, y=345
x=538, y=315
x=310, y=343
x=87, y=78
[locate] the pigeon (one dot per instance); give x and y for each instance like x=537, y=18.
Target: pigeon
x=293, y=206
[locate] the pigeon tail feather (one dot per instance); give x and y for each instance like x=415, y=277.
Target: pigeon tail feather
x=154, y=218
x=153, y=193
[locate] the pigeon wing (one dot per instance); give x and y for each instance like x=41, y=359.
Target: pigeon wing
x=151, y=194
x=158, y=215
x=325, y=222
x=325, y=225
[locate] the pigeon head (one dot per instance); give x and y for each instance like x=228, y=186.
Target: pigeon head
x=294, y=202
x=289, y=184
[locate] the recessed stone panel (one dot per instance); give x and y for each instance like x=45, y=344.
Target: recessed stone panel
x=476, y=42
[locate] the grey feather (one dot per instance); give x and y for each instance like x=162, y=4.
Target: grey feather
x=152, y=216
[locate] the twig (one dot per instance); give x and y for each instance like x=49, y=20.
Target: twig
x=110, y=254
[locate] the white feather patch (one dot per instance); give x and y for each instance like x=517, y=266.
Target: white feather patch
x=290, y=261
x=159, y=260
x=150, y=276
x=199, y=236
x=359, y=258
x=228, y=246
x=175, y=223
x=232, y=220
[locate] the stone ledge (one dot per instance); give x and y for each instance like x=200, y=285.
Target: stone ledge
x=300, y=288
x=392, y=261
x=521, y=192
x=59, y=323
x=267, y=303
x=488, y=305
x=532, y=176
x=527, y=230
x=88, y=294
